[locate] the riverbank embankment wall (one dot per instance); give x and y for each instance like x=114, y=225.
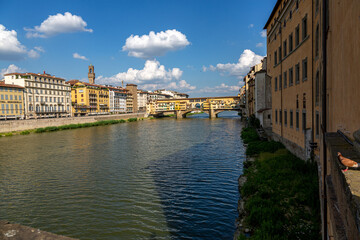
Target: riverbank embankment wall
x=21, y=125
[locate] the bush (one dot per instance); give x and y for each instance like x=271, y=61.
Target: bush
x=26, y=132
x=257, y=147
x=132, y=119
x=8, y=134
x=51, y=129
x=249, y=135
x=282, y=185
x=40, y=130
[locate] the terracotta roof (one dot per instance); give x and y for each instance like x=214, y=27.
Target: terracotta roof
x=34, y=74
x=130, y=84
x=3, y=84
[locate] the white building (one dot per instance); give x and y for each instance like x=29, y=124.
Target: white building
x=142, y=99
x=44, y=95
x=117, y=100
x=262, y=95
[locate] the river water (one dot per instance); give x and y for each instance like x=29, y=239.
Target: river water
x=152, y=179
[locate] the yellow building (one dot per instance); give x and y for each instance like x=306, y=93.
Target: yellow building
x=293, y=65
x=89, y=99
x=11, y=101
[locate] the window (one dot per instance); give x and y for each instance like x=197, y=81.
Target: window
x=304, y=69
x=29, y=98
x=291, y=118
x=15, y=97
x=276, y=84
x=317, y=124
x=7, y=108
x=285, y=118
x=6, y=97
x=12, y=108
x=2, y=96
x=304, y=120
x=304, y=28
x=285, y=48
x=280, y=116
x=291, y=42
x=297, y=73
x=276, y=116
x=275, y=57
x=285, y=80
x=290, y=14
x=304, y=100
x=2, y=108
x=317, y=88
x=297, y=4
x=280, y=56
x=280, y=82
x=297, y=37
x=19, y=97
x=297, y=120
x=317, y=41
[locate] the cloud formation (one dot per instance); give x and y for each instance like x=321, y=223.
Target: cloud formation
x=251, y=25
x=247, y=59
x=222, y=88
x=57, y=24
x=259, y=45
x=152, y=76
x=11, y=48
x=263, y=33
x=78, y=56
x=10, y=69
x=155, y=44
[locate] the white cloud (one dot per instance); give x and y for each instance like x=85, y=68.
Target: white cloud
x=155, y=44
x=33, y=54
x=251, y=25
x=259, y=45
x=57, y=24
x=247, y=59
x=39, y=49
x=78, y=56
x=222, y=89
x=10, y=69
x=10, y=47
x=152, y=76
x=263, y=33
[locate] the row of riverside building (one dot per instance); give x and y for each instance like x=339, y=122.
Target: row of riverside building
x=35, y=95
x=306, y=94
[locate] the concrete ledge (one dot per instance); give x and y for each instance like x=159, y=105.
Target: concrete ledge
x=13, y=231
x=21, y=125
x=345, y=185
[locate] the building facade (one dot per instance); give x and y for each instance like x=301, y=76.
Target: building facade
x=117, y=100
x=89, y=99
x=132, y=98
x=262, y=93
x=290, y=35
x=11, y=101
x=44, y=95
x=142, y=98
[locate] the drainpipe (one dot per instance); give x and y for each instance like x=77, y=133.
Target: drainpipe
x=323, y=118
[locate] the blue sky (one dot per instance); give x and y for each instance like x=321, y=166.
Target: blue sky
x=201, y=47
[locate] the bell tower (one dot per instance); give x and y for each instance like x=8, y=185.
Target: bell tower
x=91, y=74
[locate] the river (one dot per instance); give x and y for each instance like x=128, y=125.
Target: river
x=152, y=179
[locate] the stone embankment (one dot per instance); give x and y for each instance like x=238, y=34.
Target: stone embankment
x=21, y=125
x=13, y=231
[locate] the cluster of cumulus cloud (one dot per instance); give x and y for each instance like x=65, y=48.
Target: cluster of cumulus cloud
x=147, y=47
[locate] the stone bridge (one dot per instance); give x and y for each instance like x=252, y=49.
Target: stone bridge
x=180, y=107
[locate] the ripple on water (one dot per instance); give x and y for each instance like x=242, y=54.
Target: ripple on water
x=144, y=180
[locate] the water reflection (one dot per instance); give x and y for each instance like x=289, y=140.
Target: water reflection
x=161, y=179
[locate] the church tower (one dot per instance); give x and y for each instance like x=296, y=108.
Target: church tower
x=91, y=74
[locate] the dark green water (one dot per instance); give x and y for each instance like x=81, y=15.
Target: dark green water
x=154, y=179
